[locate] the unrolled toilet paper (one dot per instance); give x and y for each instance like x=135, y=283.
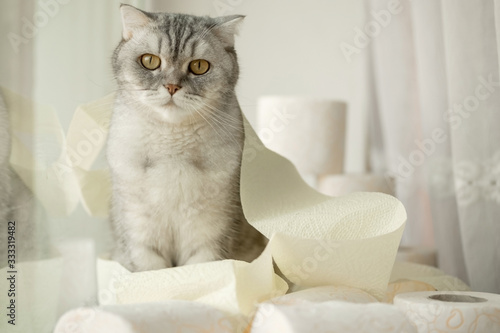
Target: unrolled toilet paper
x=337, y=185
x=309, y=132
x=458, y=312
x=312, y=236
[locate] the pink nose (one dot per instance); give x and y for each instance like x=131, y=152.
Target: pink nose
x=172, y=88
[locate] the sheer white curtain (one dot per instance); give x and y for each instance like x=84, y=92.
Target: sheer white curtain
x=434, y=82
x=16, y=63
x=57, y=53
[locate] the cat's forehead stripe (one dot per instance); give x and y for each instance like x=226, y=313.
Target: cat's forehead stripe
x=181, y=34
x=178, y=28
x=187, y=39
x=194, y=44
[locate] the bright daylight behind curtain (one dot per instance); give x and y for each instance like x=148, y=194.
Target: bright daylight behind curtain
x=436, y=80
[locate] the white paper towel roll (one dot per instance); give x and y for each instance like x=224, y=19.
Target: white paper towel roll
x=337, y=185
x=309, y=132
x=460, y=312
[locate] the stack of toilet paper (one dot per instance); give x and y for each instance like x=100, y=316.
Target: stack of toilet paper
x=314, y=239
x=326, y=309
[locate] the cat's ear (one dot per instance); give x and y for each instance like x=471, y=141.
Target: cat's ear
x=132, y=19
x=227, y=27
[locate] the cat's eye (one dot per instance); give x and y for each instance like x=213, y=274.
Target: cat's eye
x=199, y=66
x=150, y=61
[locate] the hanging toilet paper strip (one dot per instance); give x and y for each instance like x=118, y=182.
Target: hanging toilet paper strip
x=315, y=239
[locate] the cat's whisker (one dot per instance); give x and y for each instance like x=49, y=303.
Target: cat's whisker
x=216, y=113
x=224, y=118
x=213, y=117
x=208, y=122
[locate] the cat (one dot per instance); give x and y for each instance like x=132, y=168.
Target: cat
x=175, y=143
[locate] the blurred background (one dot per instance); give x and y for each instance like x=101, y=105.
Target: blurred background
x=420, y=83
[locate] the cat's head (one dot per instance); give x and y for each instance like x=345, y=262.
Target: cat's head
x=174, y=64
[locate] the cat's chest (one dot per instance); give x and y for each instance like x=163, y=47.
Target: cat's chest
x=180, y=166
x=176, y=156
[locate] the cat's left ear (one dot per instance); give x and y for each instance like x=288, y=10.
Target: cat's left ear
x=227, y=27
x=132, y=19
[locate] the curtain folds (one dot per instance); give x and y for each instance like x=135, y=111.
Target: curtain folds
x=436, y=82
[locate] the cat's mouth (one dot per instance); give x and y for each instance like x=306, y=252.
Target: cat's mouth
x=170, y=103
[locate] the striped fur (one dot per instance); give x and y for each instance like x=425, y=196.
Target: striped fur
x=175, y=160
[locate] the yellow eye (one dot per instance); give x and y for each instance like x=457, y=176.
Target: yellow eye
x=199, y=67
x=150, y=61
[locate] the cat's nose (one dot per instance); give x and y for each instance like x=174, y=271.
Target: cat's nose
x=172, y=88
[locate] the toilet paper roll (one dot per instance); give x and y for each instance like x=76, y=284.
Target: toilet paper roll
x=408, y=271
x=324, y=294
x=418, y=255
x=451, y=311
x=309, y=132
x=172, y=316
x=335, y=316
x=337, y=185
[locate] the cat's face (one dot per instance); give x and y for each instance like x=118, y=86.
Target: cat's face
x=176, y=66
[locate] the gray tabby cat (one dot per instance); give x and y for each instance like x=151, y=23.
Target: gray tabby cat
x=175, y=143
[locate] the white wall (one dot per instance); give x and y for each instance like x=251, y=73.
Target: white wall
x=291, y=47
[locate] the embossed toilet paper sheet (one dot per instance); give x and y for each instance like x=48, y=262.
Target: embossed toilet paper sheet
x=314, y=239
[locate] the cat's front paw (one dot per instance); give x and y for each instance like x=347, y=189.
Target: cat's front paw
x=202, y=256
x=151, y=264
x=144, y=259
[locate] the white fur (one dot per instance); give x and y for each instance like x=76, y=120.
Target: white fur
x=170, y=211
x=175, y=160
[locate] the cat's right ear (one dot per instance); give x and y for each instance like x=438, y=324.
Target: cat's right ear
x=132, y=19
